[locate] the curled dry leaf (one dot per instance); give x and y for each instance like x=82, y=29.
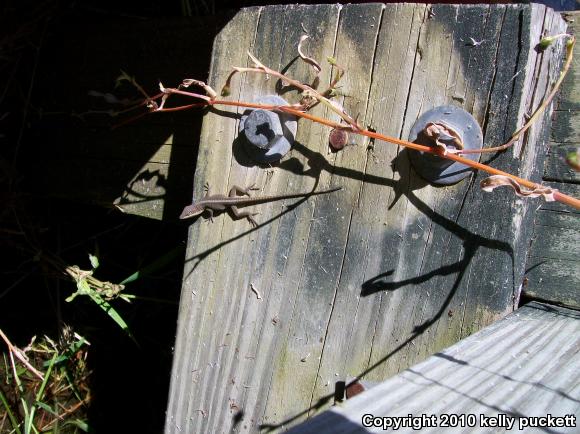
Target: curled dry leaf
x=257, y=63
x=494, y=181
x=315, y=65
x=440, y=132
x=208, y=89
x=152, y=105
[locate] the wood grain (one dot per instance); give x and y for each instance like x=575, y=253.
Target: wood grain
x=477, y=377
x=552, y=271
x=369, y=280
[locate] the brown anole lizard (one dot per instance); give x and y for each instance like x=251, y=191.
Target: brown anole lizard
x=238, y=197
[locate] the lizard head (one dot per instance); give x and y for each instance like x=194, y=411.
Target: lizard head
x=191, y=211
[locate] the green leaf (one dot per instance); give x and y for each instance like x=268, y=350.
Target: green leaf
x=155, y=265
x=573, y=160
x=546, y=42
x=40, y=392
x=46, y=408
x=127, y=297
x=109, y=310
x=81, y=424
x=13, y=421
x=94, y=261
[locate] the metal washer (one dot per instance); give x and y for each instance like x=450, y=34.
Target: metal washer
x=438, y=170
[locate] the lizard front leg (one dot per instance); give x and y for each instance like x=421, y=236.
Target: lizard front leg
x=241, y=214
x=210, y=214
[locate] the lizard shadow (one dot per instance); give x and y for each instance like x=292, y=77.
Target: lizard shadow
x=196, y=259
x=316, y=165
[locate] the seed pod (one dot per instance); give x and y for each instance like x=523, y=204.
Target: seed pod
x=338, y=139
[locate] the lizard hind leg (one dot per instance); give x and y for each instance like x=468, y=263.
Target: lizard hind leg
x=244, y=214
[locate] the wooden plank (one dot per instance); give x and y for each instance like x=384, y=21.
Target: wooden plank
x=556, y=167
x=197, y=357
x=348, y=344
x=553, y=265
x=276, y=261
x=558, y=236
x=367, y=281
x=355, y=40
x=565, y=127
x=553, y=271
x=569, y=95
x=553, y=280
x=108, y=178
x=522, y=367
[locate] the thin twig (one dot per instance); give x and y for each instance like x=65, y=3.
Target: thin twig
x=569, y=53
x=18, y=353
x=66, y=412
x=307, y=91
x=353, y=126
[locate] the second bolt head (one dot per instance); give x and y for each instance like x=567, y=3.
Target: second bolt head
x=262, y=128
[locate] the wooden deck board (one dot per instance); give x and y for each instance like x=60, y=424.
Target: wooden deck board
x=522, y=366
x=376, y=277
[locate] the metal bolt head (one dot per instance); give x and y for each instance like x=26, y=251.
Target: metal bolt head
x=263, y=128
x=268, y=135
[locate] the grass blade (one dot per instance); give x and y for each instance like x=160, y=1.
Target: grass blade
x=13, y=421
x=155, y=265
x=110, y=310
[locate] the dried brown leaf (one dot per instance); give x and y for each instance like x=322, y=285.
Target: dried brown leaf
x=439, y=131
x=315, y=65
x=494, y=181
x=208, y=89
x=257, y=63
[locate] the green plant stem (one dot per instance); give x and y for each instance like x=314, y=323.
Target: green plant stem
x=13, y=421
x=40, y=394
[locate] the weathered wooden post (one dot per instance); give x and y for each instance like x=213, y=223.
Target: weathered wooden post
x=369, y=280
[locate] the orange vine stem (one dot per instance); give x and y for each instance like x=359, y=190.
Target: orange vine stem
x=560, y=197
